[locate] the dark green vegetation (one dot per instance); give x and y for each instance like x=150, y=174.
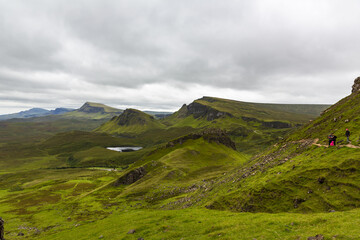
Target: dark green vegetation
x=194, y=162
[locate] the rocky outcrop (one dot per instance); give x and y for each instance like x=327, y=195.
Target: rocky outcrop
x=199, y=110
x=1, y=229
x=271, y=124
x=276, y=124
x=356, y=86
x=211, y=135
x=131, y=177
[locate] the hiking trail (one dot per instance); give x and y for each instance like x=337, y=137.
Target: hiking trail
x=349, y=145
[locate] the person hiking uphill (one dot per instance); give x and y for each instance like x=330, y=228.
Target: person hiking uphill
x=347, y=134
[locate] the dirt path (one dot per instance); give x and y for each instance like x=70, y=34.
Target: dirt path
x=349, y=145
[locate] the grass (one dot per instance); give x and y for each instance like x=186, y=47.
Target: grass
x=205, y=224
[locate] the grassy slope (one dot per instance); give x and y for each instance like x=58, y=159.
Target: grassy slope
x=172, y=170
x=342, y=115
x=288, y=176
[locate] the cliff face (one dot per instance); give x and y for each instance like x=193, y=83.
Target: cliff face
x=211, y=135
x=199, y=110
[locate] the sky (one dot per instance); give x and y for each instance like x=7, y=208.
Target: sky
x=160, y=54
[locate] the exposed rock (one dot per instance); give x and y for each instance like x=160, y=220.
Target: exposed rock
x=347, y=120
x=356, y=86
x=297, y=202
x=1, y=229
x=211, y=135
x=276, y=124
x=272, y=124
x=131, y=231
x=101, y=236
x=131, y=177
x=321, y=180
x=199, y=110
x=317, y=237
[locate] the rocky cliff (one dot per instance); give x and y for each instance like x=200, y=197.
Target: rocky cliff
x=199, y=110
x=211, y=135
x=356, y=86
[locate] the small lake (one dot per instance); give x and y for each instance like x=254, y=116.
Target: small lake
x=124, y=149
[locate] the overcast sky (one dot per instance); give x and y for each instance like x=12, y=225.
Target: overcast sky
x=159, y=54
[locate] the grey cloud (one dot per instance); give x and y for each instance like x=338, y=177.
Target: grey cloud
x=243, y=45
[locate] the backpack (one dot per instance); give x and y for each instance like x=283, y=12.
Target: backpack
x=332, y=143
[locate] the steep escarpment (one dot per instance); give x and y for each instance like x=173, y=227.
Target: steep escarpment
x=198, y=110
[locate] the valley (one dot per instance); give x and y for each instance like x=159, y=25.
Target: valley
x=214, y=169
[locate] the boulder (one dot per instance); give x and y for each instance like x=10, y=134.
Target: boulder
x=356, y=86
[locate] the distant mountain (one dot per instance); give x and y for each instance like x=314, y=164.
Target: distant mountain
x=94, y=111
x=35, y=112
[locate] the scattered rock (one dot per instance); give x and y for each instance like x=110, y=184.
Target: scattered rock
x=297, y=202
x=21, y=234
x=131, y=231
x=332, y=210
x=140, y=239
x=347, y=120
x=321, y=180
x=317, y=237
x=69, y=219
x=335, y=119
x=101, y=236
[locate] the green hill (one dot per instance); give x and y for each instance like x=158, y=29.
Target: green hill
x=130, y=123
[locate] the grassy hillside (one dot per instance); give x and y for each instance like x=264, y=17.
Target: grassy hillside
x=130, y=123
x=299, y=174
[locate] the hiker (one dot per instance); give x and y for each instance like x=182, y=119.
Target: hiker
x=347, y=134
x=334, y=139
x=1, y=229
x=330, y=137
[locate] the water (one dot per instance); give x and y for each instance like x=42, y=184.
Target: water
x=124, y=149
